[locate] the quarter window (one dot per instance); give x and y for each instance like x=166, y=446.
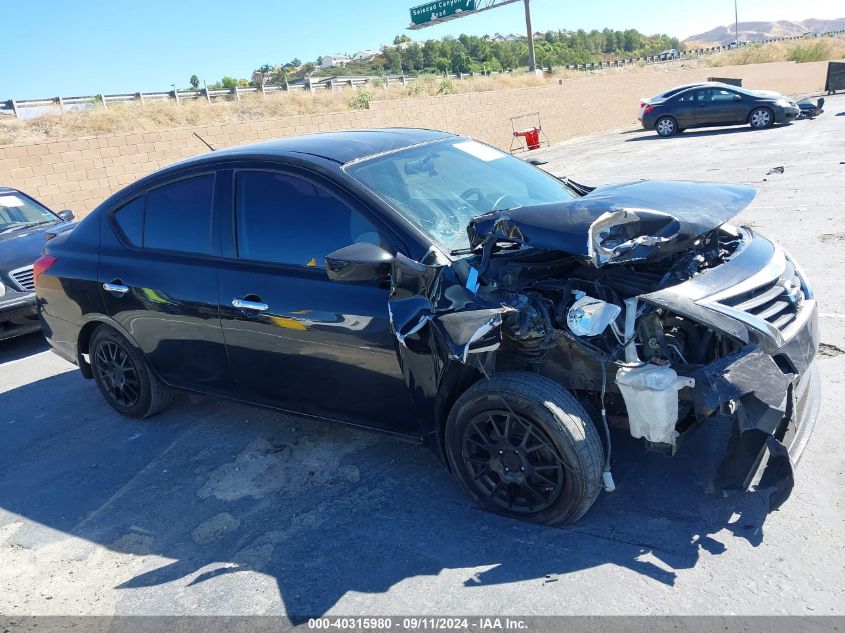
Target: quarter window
x=285, y=219
x=130, y=219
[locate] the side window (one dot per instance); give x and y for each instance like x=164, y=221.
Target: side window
x=715, y=95
x=178, y=216
x=285, y=219
x=722, y=96
x=130, y=219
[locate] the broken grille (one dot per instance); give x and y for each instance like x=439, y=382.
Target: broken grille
x=778, y=302
x=22, y=277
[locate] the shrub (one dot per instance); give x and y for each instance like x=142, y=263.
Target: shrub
x=447, y=87
x=816, y=52
x=361, y=99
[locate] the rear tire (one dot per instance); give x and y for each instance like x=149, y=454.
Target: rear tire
x=666, y=126
x=543, y=465
x=761, y=118
x=123, y=376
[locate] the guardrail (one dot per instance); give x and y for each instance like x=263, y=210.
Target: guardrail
x=15, y=107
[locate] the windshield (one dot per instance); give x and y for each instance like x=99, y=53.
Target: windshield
x=439, y=187
x=17, y=210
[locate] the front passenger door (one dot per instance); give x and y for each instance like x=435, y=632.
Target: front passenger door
x=295, y=339
x=717, y=106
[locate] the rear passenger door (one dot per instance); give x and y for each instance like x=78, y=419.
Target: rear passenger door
x=158, y=279
x=295, y=339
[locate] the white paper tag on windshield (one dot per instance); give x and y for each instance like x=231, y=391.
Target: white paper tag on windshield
x=10, y=201
x=479, y=150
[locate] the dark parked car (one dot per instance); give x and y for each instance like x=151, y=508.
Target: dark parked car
x=442, y=291
x=24, y=227
x=716, y=104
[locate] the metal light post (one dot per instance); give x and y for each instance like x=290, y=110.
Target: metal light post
x=532, y=59
x=736, y=23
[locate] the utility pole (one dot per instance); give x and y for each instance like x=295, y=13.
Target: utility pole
x=532, y=59
x=736, y=23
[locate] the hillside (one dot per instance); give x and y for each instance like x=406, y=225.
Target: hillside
x=750, y=31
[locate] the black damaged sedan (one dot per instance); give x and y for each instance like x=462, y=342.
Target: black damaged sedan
x=25, y=224
x=436, y=289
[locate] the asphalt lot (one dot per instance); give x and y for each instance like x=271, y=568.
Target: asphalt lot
x=215, y=508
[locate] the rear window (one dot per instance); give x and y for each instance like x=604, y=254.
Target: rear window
x=173, y=217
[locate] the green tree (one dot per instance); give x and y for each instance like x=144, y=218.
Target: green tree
x=393, y=59
x=195, y=82
x=461, y=61
x=412, y=58
x=442, y=65
x=430, y=51
x=228, y=82
x=401, y=39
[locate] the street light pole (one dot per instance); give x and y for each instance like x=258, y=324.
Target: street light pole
x=532, y=60
x=736, y=23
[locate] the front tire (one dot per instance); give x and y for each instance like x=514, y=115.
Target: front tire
x=761, y=118
x=123, y=376
x=666, y=126
x=524, y=447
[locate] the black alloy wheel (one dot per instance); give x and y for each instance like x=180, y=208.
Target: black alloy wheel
x=123, y=376
x=117, y=372
x=512, y=461
x=523, y=446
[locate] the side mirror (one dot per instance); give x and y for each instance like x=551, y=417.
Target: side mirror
x=359, y=262
x=66, y=215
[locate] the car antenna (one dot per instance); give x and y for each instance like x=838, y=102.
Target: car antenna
x=204, y=141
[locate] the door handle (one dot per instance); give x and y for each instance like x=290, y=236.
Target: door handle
x=243, y=304
x=115, y=287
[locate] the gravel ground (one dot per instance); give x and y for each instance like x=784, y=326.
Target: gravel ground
x=216, y=508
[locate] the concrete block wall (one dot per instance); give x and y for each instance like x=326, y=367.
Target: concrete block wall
x=79, y=174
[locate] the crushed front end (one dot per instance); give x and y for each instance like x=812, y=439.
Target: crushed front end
x=659, y=321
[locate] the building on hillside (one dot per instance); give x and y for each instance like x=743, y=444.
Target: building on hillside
x=362, y=56
x=333, y=61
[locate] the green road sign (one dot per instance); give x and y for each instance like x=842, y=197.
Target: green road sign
x=438, y=9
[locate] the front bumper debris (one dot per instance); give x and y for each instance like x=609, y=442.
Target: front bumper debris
x=773, y=414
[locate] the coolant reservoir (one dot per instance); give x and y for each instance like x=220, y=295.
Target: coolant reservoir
x=651, y=397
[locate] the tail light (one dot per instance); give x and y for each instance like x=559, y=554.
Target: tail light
x=648, y=109
x=41, y=266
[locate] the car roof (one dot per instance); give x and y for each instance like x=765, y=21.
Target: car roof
x=341, y=147
x=8, y=190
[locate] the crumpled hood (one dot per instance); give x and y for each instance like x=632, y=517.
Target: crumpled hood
x=617, y=223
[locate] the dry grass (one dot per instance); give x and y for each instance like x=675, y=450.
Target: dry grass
x=156, y=116
x=796, y=50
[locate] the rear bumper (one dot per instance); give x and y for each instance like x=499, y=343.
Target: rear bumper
x=18, y=315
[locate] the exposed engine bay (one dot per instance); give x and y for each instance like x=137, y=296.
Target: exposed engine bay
x=658, y=319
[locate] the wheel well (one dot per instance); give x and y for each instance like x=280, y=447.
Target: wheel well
x=456, y=380
x=83, y=345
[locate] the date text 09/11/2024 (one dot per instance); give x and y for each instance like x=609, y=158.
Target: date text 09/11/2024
x=419, y=623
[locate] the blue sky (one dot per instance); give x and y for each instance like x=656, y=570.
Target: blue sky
x=64, y=47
